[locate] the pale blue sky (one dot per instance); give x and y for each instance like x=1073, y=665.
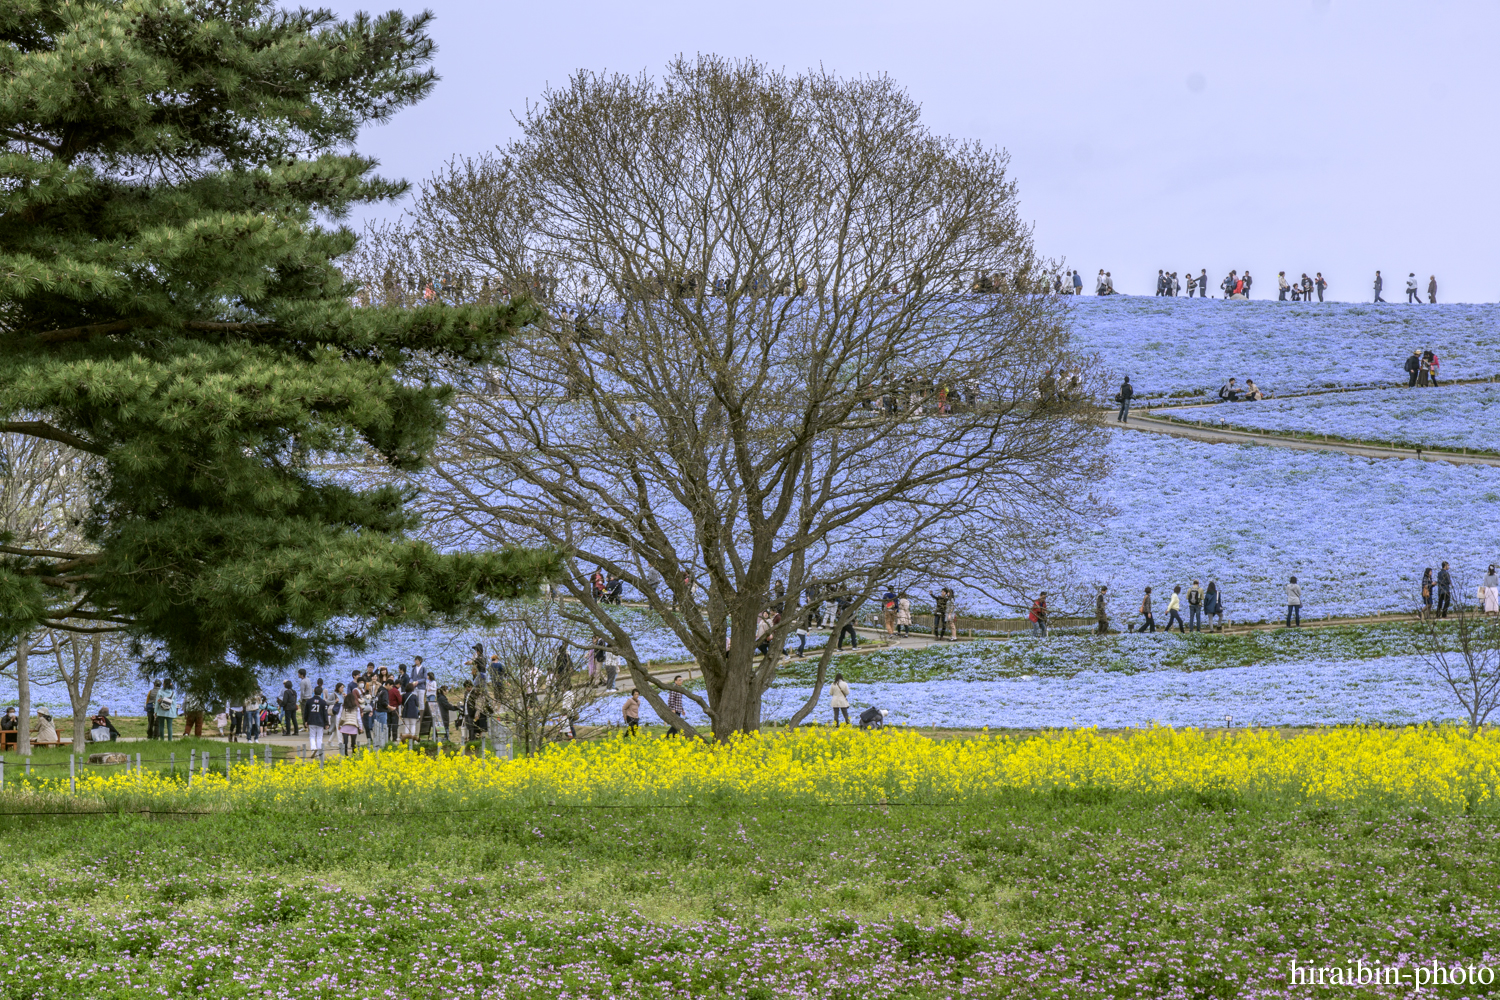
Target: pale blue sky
x=1278, y=135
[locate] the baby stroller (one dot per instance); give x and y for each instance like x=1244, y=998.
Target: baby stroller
x=270, y=717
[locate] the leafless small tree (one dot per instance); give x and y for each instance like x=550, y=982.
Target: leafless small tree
x=1463, y=649
x=80, y=662
x=538, y=690
x=788, y=336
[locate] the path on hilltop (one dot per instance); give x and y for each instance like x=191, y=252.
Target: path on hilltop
x=1217, y=435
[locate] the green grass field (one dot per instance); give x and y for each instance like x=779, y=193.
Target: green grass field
x=1075, y=894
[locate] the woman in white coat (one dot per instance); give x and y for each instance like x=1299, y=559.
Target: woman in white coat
x=1491, y=592
x=838, y=697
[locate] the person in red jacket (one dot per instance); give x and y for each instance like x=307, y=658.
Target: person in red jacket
x=1038, y=615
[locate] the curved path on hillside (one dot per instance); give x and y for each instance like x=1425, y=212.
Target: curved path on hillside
x=1139, y=421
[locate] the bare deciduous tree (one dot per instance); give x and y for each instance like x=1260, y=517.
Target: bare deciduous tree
x=43, y=500
x=1463, y=649
x=532, y=688
x=788, y=336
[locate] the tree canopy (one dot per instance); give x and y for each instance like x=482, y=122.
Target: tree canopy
x=790, y=340
x=170, y=306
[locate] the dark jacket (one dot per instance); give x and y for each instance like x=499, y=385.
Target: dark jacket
x=411, y=708
x=1444, y=582
x=1210, y=602
x=1413, y=364
x=1127, y=390
x=317, y=712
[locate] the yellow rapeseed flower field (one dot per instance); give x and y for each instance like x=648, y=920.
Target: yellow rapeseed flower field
x=1442, y=767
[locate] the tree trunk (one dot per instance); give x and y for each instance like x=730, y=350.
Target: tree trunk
x=23, y=696
x=80, y=689
x=738, y=705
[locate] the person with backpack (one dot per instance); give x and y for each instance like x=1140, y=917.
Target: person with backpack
x=315, y=717
x=1123, y=397
x=1413, y=367
x=1293, y=603
x=1195, y=607
x=151, y=697
x=166, y=710
x=1148, y=623
x=1213, y=605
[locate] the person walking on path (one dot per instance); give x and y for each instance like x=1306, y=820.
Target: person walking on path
x=842, y=605
x=1148, y=623
x=1101, y=616
x=1038, y=616
x=1427, y=588
x=166, y=710
x=315, y=717
x=1444, y=590
x=1413, y=296
x=888, y=606
x=349, y=723
x=838, y=699
x=1174, y=609
x=304, y=692
x=1320, y=285
x=1123, y=397
x=631, y=712
x=903, y=614
x=1379, y=284
x=1491, y=592
x=1213, y=605
x=151, y=697
x=1432, y=289
x=289, y=706
x=1293, y=603
x=1195, y=607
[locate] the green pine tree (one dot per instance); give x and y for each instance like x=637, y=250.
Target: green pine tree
x=170, y=305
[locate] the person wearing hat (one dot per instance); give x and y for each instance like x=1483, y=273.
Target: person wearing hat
x=46, y=729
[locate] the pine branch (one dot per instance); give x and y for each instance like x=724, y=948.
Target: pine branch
x=72, y=333
x=49, y=623
x=37, y=429
x=12, y=550
x=50, y=147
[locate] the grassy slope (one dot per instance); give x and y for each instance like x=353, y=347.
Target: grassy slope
x=1094, y=893
x=1067, y=654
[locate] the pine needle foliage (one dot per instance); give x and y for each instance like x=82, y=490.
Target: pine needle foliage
x=172, y=176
